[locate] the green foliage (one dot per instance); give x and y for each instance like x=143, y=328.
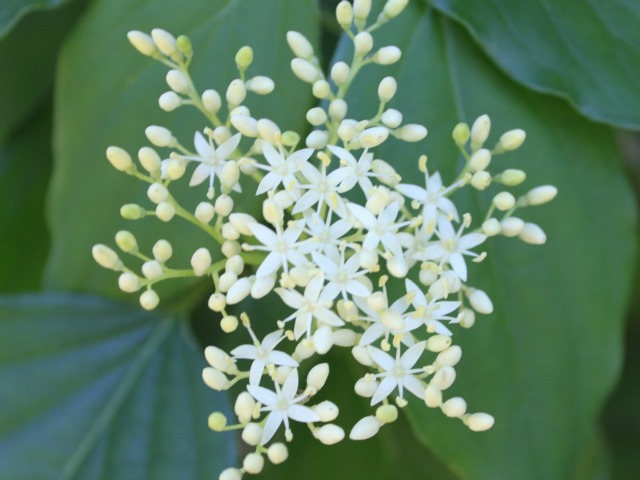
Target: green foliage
x=94, y=389
x=586, y=52
x=97, y=390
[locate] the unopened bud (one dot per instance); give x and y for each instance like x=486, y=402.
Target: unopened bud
x=119, y=158
x=300, y=46
x=533, y=234
x=541, y=195
x=142, y=42
x=367, y=427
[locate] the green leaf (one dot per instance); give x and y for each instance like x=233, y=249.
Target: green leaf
x=94, y=390
x=107, y=94
x=543, y=362
x=11, y=11
x=585, y=52
x=25, y=84
x=25, y=168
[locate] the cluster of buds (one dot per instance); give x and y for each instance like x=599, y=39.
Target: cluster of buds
x=323, y=253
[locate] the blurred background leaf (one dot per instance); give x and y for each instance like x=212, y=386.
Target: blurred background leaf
x=586, y=52
x=97, y=390
x=110, y=99
x=544, y=361
x=12, y=11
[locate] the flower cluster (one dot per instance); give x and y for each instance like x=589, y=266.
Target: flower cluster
x=338, y=226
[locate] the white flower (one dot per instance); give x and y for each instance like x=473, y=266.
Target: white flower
x=312, y=305
x=432, y=198
x=281, y=170
x=381, y=229
x=281, y=245
x=341, y=275
x=263, y=354
x=282, y=405
x=398, y=372
x=452, y=247
x=322, y=188
x=391, y=321
x=211, y=159
x=431, y=313
x=323, y=233
x=358, y=170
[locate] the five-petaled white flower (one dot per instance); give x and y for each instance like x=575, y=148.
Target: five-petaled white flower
x=342, y=275
x=263, y=354
x=433, y=197
x=359, y=170
x=380, y=229
x=313, y=304
x=452, y=247
x=398, y=372
x=283, y=404
x=431, y=313
x=282, y=170
x=281, y=245
x=211, y=159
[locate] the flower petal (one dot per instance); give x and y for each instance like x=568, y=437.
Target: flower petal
x=387, y=385
x=274, y=420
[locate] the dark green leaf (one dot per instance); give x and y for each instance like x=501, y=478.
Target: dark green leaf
x=107, y=94
x=11, y=11
x=586, y=52
x=28, y=55
x=543, y=362
x=94, y=390
x=25, y=169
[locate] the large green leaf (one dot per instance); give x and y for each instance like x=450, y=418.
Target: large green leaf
x=25, y=169
x=107, y=94
x=586, y=52
x=28, y=55
x=95, y=390
x=543, y=362
x=11, y=11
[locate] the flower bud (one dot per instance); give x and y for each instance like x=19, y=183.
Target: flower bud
x=321, y=89
x=126, y=241
x=330, y=434
x=504, y=201
x=316, y=116
x=169, y=101
x=412, y=132
x=491, y=227
x=365, y=388
x=277, y=453
x=393, y=8
x=152, y=270
x=480, y=160
x=323, y=339
x=317, y=139
x=512, y=177
x=391, y=118
x=261, y=85
x=149, y=300
x=241, y=222
x=300, y=46
x=244, y=57
x=268, y=130
x=533, y=234
x=129, y=282
x=218, y=358
x=217, y=421
x=481, y=180
x=338, y=109
x=178, y=81
x=479, y=422
x=184, y=45
x=165, y=211
x=119, y=158
x=230, y=248
x=363, y=43
x=262, y=286
x=227, y=279
x=387, y=89
x=362, y=356
x=366, y=427
x=236, y=92
x=372, y=137
x=215, y=379
x=149, y=159
x=217, y=302
x=512, y=139
x=253, y=463
x=251, y=434
x=327, y=411
x=449, y=357
x=432, y=396
x=159, y=136
x=230, y=474
x=361, y=9
x=142, y=42
x=246, y=125
x=541, y=195
x=511, y=227
x=106, y=257
x=461, y=134
x=454, y=407
x=480, y=131
x=468, y=318
x=438, y=343
x=211, y=101
x=239, y=291
x=443, y=378
x=317, y=377
x=201, y=261
x=304, y=70
x=387, y=413
x=344, y=14
x=244, y=406
x=165, y=42
x=480, y=302
x=204, y=212
x=131, y=211
x=387, y=55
